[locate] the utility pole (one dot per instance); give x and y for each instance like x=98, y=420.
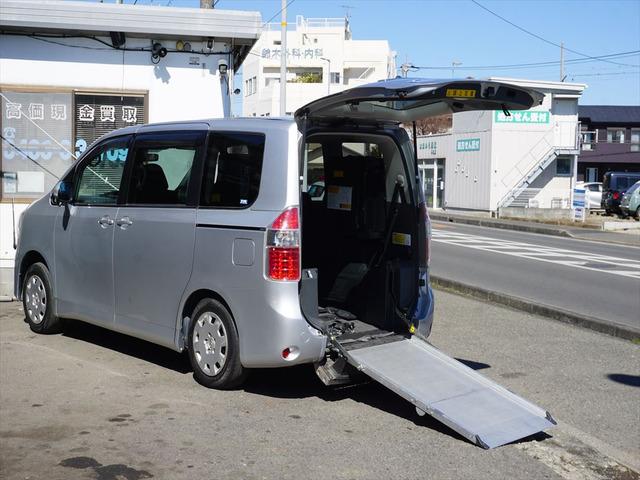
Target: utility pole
x=283, y=61
x=206, y=4
x=562, y=61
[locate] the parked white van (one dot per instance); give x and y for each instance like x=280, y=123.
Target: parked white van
x=203, y=236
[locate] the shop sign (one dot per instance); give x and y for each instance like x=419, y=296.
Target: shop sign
x=579, y=202
x=468, y=145
x=293, y=53
x=428, y=145
x=527, y=116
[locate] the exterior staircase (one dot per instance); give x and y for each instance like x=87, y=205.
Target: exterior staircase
x=529, y=167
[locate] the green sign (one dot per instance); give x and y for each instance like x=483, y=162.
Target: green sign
x=522, y=117
x=468, y=145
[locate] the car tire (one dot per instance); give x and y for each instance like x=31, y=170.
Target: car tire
x=37, y=300
x=213, y=347
x=637, y=214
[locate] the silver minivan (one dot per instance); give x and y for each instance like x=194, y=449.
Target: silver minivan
x=203, y=236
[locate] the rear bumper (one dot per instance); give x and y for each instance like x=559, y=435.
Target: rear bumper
x=271, y=321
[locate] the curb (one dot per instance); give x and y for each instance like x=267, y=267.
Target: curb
x=528, y=306
x=482, y=222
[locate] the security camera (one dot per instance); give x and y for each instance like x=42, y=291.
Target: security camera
x=223, y=67
x=158, y=51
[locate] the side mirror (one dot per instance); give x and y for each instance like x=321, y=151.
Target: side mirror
x=62, y=193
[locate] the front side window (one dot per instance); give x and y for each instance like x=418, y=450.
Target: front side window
x=160, y=174
x=233, y=169
x=98, y=178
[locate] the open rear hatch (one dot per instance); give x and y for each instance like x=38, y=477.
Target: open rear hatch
x=377, y=277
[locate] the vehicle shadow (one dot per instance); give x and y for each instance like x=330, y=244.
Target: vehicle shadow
x=631, y=380
x=133, y=347
x=286, y=383
x=301, y=382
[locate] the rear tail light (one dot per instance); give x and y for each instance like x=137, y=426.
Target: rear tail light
x=424, y=218
x=283, y=247
x=616, y=195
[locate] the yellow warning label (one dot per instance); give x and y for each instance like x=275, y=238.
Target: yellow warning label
x=401, y=239
x=460, y=93
x=412, y=329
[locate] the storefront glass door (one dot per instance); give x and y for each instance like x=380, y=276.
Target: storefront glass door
x=432, y=177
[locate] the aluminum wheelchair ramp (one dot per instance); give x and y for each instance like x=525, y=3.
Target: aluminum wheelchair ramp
x=474, y=406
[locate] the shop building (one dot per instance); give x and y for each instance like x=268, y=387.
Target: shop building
x=322, y=58
x=516, y=163
x=610, y=140
x=73, y=71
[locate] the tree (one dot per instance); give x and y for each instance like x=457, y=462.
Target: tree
x=434, y=125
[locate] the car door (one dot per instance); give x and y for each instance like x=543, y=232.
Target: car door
x=154, y=232
x=83, y=235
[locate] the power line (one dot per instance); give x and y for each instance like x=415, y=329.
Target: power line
x=574, y=61
x=278, y=12
x=637, y=72
x=544, y=39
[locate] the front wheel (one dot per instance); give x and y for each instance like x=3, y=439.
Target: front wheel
x=37, y=300
x=214, y=347
x=637, y=214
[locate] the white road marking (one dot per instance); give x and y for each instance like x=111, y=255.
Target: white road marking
x=570, y=258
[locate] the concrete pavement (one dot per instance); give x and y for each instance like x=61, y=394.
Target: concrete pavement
x=593, y=279
x=93, y=404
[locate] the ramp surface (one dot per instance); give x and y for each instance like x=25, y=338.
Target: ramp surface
x=474, y=406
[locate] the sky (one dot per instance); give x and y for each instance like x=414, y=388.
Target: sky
x=433, y=34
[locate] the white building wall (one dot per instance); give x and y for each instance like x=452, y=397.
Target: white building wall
x=486, y=154
x=176, y=90
x=356, y=61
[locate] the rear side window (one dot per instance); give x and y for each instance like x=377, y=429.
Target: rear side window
x=232, y=171
x=161, y=166
x=620, y=183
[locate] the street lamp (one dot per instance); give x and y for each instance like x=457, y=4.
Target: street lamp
x=328, y=74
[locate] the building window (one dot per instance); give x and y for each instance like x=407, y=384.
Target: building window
x=254, y=84
x=635, y=140
x=615, y=135
x=335, y=77
x=96, y=115
x=31, y=160
x=563, y=166
x=592, y=174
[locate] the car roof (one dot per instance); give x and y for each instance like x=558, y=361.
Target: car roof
x=204, y=124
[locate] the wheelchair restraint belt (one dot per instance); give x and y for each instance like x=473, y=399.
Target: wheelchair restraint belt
x=474, y=406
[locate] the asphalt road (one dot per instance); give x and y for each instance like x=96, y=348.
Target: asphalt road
x=590, y=278
x=91, y=404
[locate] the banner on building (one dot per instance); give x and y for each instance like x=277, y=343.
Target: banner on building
x=527, y=116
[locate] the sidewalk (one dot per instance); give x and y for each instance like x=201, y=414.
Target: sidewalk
x=583, y=233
